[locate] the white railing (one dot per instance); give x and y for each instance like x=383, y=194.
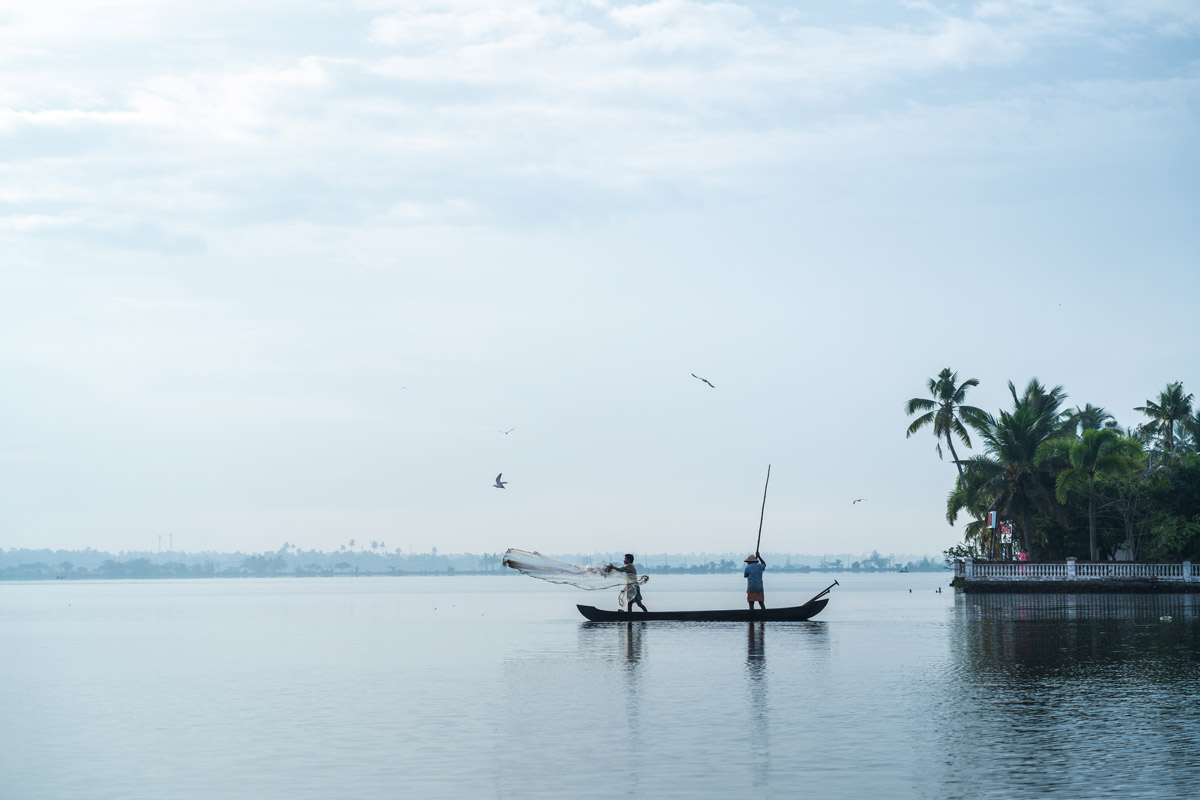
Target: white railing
x=1072, y=570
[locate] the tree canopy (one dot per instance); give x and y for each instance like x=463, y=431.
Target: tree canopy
x=1071, y=482
x=944, y=411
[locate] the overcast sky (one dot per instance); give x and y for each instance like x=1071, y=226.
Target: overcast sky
x=283, y=271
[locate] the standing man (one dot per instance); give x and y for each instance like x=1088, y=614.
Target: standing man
x=754, y=582
x=632, y=593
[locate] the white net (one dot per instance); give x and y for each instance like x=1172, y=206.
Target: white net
x=536, y=565
x=631, y=593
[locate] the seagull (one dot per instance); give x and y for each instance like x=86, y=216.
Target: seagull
x=499, y=483
x=697, y=377
x=507, y=432
x=860, y=500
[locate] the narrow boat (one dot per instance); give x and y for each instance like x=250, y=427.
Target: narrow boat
x=792, y=614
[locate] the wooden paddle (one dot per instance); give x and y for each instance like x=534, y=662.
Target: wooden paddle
x=824, y=591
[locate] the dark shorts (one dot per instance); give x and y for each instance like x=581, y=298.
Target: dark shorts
x=755, y=597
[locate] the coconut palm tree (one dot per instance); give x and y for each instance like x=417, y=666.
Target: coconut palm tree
x=975, y=499
x=1096, y=452
x=1173, y=406
x=1044, y=402
x=1088, y=418
x=1191, y=426
x=1005, y=477
x=945, y=411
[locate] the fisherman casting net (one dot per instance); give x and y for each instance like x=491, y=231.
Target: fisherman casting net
x=536, y=565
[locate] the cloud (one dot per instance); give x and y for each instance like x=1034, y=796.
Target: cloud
x=442, y=103
x=260, y=221
x=91, y=230
x=230, y=107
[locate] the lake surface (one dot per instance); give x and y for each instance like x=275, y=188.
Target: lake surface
x=479, y=687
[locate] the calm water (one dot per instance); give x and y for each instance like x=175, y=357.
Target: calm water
x=495, y=687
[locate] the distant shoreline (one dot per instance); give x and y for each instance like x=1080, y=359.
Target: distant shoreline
x=374, y=561
x=505, y=573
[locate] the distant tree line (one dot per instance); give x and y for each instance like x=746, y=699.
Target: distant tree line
x=289, y=559
x=352, y=559
x=1068, y=481
x=872, y=563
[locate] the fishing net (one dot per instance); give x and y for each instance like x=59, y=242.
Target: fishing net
x=631, y=593
x=536, y=565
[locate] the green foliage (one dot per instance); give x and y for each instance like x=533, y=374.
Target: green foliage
x=1079, y=462
x=1173, y=538
x=1175, y=509
x=1088, y=418
x=1075, y=483
x=1191, y=429
x=1173, y=407
x=960, y=551
x=1007, y=477
x=945, y=412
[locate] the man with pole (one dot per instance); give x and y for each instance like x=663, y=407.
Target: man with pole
x=754, y=581
x=755, y=564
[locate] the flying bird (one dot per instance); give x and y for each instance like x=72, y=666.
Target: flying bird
x=860, y=500
x=507, y=432
x=697, y=377
x=499, y=483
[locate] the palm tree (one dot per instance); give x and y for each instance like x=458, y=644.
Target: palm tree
x=1006, y=477
x=1044, y=402
x=1095, y=453
x=1172, y=406
x=945, y=411
x=1088, y=418
x=1191, y=426
x=970, y=496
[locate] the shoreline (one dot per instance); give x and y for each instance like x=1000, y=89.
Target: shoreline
x=1093, y=586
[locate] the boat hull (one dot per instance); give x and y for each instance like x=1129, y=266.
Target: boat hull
x=792, y=614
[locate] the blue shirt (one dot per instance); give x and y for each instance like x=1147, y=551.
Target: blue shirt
x=753, y=576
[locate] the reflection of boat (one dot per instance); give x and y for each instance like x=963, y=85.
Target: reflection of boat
x=793, y=614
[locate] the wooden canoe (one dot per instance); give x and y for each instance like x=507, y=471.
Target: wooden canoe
x=792, y=614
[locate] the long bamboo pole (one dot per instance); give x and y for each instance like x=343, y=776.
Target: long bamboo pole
x=762, y=513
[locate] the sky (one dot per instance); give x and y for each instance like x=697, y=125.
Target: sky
x=282, y=272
